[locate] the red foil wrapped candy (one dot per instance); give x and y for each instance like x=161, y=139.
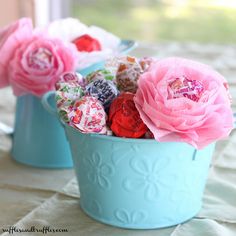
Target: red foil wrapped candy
x=124, y=118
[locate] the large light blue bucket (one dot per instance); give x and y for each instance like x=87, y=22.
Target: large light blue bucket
x=138, y=183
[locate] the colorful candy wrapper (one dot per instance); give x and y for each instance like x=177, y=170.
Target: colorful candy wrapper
x=145, y=62
x=63, y=113
x=127, y=74
x=67, y=94
x=104, y=90
x=183, y=87
x=88, y=116
x=113, y=63
x=71, y=78
x=100, y=74
x=124, y=118
x=69, y=89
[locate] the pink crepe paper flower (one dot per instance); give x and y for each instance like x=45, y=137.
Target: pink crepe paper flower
x=184, y=101
x=38, y=62
x=11, y=37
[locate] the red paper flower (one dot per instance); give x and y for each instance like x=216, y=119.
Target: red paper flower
x=124, y=117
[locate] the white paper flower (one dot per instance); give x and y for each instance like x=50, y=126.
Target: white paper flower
x=69, y=29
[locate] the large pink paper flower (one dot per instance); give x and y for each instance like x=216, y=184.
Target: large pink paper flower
x=11, y=37
x=184, y=101
x=38, y=62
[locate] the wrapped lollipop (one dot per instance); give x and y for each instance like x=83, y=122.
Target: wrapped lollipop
x=88, y=116
x=145, y=62
x=104, y=90
x=183, y=87
x=67, y=94
x=127, y=74
x=69, y=88
x=100, y=74
x=124, y=117
x=71, y=79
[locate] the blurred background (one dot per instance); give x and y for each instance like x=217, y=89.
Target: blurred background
x=203, y=21
x=162, y=20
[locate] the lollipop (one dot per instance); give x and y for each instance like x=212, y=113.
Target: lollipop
x=71, y=79
x=67, y=94
x=100, y=74
x=124, y=117
x=127, y=74
x=88, y=116
x=183, y=87
x=104, y=90
x=69, y=88
x=145, y=62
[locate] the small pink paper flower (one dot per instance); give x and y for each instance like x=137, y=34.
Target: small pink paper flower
x=38, y=62
x=184, y=101
x=11, y=37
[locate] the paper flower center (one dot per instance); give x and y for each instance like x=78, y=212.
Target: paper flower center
x=183, y=87
x=41, y=59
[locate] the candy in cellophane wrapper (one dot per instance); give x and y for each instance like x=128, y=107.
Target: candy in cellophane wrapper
x=128, y=72
x=184, y=87
x=63, y=113
x=72, y=79
x=66, y=95
x=69, y=88
x=88, y=116
x=104, y=90
x=145, y=63
x=100, y=74
x=124, y=118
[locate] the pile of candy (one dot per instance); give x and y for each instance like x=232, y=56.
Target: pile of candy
x=102, y=102
x=171, y=100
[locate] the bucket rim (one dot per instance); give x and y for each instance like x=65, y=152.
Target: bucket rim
x=121, y=139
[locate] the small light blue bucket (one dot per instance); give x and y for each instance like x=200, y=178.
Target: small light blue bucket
x=138, y=183
x=39, y=139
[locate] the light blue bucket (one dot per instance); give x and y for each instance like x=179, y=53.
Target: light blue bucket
x=39, y=139
x=138, y=183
